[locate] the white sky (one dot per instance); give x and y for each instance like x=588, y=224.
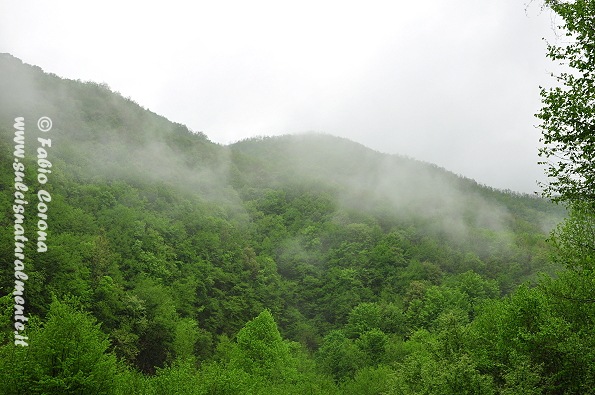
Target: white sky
x=455, y=83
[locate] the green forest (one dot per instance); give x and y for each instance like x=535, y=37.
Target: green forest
x=300, y=264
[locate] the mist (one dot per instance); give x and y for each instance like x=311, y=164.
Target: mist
x=453, y=84
x=99, y=135
x=102, y=136
x=364, y=179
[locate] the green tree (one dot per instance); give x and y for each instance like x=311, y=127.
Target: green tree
x=368, y=381
x=426, y=372
x=338, y=356
x=261, y=350
x=568, y=129
x=571, y=297
x=373, y=344
x=68, y=355
x=568, y=112
x=186, y=335
x=574, y=240
x=364, y=317
x=422, y=312
x=158, y=328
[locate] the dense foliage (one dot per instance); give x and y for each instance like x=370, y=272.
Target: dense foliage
x=568, y=112
x=290, y=265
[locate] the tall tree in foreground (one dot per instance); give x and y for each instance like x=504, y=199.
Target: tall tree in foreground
x=568, y=112
x=568, y=129
x=67, y=355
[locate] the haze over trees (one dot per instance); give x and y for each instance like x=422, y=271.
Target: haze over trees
x=294, y=264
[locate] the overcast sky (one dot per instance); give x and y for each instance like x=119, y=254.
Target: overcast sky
x=455, y=83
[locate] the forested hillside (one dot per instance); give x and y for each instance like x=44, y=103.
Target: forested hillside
x=286, y=265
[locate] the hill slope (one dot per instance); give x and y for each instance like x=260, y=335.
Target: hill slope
x=170, y=240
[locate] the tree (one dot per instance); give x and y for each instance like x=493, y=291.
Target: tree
x=368, y=381
x=338, y=356
x=568, y=112
x=373, y=345
x=261, y=350
x=568, y=128
x=574, y=240
x=68, y=355
x=426, y=371
x=571, y=295
x=364, y=317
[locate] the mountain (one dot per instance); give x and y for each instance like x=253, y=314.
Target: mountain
x=174, y=243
